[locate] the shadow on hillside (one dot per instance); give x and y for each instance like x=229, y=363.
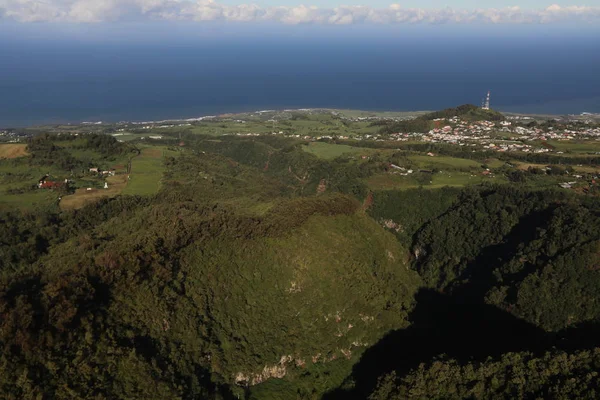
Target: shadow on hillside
x=442, y=325
x=480, y=271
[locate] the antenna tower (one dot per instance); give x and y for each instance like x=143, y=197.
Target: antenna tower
x=486, y=106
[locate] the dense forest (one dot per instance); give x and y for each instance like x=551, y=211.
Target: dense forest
x=261, y=271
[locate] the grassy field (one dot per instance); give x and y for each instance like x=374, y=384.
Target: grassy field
x=380, y=114
x=454, y=179
x=443, y=162
x=128, y=136
x=28, y=200
x=147, y=170
x=331, y=151
x=16, y=174
x=582, y=147
x=12, y=150
x=313, y=125
x=494, y=163
x=144, y=179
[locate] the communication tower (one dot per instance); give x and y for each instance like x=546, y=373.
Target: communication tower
x=486, y=103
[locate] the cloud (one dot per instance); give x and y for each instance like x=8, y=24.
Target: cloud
x=94, y=11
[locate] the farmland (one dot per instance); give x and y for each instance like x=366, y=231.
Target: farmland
x=147, y=170
x=424, y=161
x=12, y=150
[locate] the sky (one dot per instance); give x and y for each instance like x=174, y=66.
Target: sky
x=294, y=12
x=469, y=4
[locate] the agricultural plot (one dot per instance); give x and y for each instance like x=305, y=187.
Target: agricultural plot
x=429, y=181
x=423, y=161
x=127, y=136
x=12, y=150
x=580, y=147
x=147, y=170
x=494, y=163
x=313, y=125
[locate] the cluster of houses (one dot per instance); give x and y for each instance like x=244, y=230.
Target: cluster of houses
x=46, y=183
x=10, y=136
x=98, y=171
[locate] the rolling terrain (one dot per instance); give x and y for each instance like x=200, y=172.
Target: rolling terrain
x=267, y=266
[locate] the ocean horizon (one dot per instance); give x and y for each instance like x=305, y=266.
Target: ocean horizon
x=72, y=81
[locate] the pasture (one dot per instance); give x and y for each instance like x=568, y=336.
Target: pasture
x=147, y=170
x=576, y=147
x=429, y=181
x=423, y=161
x=29, y=200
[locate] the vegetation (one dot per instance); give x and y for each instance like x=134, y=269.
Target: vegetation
x=265, y=267
x=555, y=375
x=423, y=123
x=468, y=112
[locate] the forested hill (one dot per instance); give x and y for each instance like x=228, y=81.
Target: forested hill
x=467, y=112
x=259, y=270
x=424, y=123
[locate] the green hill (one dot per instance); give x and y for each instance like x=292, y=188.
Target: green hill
x=468, y=112
x=424, y=123
x=148, y=304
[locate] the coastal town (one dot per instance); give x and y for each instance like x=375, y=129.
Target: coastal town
x=502, y=136
x=514, y=133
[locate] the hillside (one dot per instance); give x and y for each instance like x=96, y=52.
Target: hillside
x=268, y=267
x=188, y=295
x=467, y=112
x=554, y=375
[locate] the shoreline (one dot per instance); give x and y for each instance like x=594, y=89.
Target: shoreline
x=356, y=113
x=377, y=114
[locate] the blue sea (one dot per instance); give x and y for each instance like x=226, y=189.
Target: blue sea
x=70, y=80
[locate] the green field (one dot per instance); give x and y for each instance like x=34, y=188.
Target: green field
x=19, y=175
x=146, y=171
x=436, y=181
x=443, y=162
x=128, y=136
x=292, y=123
x=330, y=151
x=494, y=163
x=583, y=147
x=29, y=200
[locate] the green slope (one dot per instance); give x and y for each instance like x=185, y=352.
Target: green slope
x=176, y=293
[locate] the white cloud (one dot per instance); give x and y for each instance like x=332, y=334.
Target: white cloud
x=92, y=11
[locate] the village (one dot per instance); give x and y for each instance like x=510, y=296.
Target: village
x=500, y=136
